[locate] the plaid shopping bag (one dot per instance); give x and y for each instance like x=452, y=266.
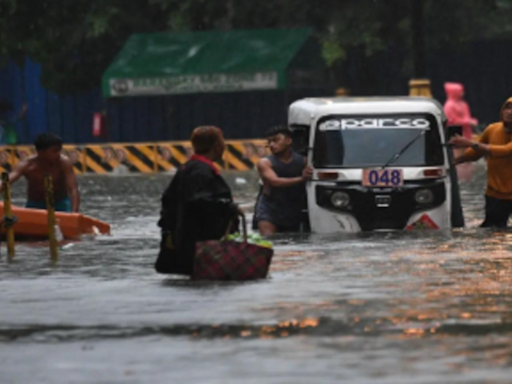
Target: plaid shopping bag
x=231, y=260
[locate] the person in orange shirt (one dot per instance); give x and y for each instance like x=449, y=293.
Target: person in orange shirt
x=496, y=144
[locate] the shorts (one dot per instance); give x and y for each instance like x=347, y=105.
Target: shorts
x=263, y=213
x=63, y=205
x=497, y=212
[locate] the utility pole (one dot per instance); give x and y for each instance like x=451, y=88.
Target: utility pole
x=418, y=36
x=419, y=86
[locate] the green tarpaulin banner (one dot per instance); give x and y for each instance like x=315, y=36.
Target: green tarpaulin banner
x=194, y=62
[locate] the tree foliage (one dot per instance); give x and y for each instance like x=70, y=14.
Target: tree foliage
x=76, y=40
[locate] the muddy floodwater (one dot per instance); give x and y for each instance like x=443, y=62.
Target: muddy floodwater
x=415, y=307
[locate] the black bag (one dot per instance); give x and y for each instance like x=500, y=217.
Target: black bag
x=169, y=262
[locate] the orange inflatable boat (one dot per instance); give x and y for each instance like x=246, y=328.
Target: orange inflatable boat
x=33, y=224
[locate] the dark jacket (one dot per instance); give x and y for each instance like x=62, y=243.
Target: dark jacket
x=196, y=206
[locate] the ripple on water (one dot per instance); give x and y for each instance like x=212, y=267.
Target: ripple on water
x=424, y=307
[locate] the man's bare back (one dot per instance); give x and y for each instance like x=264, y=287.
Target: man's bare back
x=48, y=161
x=35, y=170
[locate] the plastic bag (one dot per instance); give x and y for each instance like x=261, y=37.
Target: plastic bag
x=253, y=238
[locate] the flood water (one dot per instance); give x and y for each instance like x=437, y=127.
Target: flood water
x=423, y=307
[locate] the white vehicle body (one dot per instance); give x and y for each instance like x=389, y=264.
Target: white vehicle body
x=359, y=183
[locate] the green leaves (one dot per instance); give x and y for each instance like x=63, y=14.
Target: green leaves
x=253, y=238
x=332, y=51
x=76, y=40
x=97, y=23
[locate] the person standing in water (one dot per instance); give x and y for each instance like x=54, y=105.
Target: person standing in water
x=196, y=206
x=458, y=114
x=496, y=144
x=284, y=173
x=457, y=109
x=49, y=160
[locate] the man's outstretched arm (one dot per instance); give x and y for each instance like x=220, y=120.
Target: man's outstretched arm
x=16, y=173
x=270, y=177
x=478, y=149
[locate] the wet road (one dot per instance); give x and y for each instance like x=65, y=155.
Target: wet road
x=425, y=307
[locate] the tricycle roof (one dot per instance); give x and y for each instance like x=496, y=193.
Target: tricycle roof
x=303, y=111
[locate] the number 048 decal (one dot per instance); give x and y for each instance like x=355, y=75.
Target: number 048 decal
x=383, y=177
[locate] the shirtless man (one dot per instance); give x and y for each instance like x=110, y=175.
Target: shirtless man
x=48, y=160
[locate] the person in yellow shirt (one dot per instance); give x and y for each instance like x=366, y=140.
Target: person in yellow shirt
x=496, y=144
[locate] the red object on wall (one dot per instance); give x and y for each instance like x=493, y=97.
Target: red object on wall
x=98, y=126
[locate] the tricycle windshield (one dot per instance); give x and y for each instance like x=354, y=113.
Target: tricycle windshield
x=373, y=141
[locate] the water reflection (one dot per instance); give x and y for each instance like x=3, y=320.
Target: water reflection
x=465, y=172
x=436, y=300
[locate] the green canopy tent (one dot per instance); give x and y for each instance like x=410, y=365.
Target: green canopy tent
x=281, y=61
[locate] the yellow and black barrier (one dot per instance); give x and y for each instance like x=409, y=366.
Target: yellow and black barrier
x=240, y=155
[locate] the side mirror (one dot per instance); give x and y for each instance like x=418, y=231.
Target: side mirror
x=300, y=139
x=453, y=130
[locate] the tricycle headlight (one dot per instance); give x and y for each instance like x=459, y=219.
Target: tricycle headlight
x=424, y=196
x=340, y=199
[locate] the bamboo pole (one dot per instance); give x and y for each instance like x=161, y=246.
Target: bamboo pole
x=50, y=208
x=8, y=219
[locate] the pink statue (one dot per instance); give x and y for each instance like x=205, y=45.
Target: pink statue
x=457, y=110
